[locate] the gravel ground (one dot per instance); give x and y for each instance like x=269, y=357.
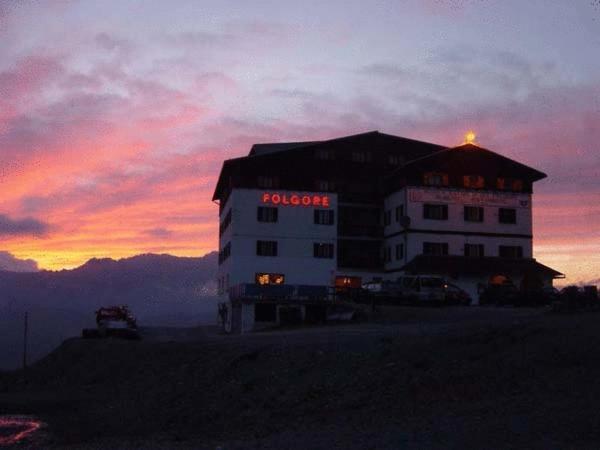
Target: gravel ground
x=465, y=378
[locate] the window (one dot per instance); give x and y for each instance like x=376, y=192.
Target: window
x=266, y=248
x=226, y=221
x=475, y=250
x=435, y=212
x=435, y=179
x=267, y=182
x=324, y=216
x=269, y=278
x=325, y=185
x=507, y=215
x=399, y=212
x=399, y=251
x=473, y=181
x=435, y=248
x=225, y=252
x=473, y=214
x=395, y=160
x=321, y=250
x=325, y=154
x=387, y=218
x=510, y=251
x=509, y=184
x=267, y=214
x=361, y=157
x=387, y=254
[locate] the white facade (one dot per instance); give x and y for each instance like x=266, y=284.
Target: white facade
x=295, y=232
x=408, y=226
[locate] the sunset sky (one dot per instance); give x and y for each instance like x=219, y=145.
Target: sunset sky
x=115, y=116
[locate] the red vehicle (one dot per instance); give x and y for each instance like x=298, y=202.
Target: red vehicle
x=114, y=321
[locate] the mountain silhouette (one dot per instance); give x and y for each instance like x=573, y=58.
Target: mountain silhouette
x=160, y=290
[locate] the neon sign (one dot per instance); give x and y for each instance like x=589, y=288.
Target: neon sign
x=275, y=198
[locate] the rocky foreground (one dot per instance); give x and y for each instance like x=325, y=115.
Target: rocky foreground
x=431, y=378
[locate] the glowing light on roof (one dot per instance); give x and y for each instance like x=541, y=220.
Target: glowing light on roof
x=470, y=137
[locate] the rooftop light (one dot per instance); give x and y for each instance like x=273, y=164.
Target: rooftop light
x=470, y=137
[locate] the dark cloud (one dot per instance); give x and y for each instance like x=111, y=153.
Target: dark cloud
x=159, y=232
x=26, y=226
x=12, y=264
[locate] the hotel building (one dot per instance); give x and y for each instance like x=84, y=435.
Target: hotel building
x=374, y=206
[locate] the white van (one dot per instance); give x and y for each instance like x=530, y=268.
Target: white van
x=422, y=287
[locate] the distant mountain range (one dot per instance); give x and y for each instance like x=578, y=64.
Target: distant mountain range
x=161, y=290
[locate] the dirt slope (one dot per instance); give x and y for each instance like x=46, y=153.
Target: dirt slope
x=526, y=381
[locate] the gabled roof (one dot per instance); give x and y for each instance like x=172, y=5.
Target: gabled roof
x=373, y=140
x=450, y=264
x=474, y=158
x=262, y=149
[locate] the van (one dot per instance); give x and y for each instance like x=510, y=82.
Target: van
x=422, y=288
x=412, y=288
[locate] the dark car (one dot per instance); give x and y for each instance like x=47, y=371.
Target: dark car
x=500, y=294
x=457, y=296
x=539, y=297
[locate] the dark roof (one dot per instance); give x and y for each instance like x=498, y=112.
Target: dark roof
x=451, y=264
x=371, y=140
x=476, y=158
x=262, y=149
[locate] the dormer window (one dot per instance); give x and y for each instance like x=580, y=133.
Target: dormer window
x=325, y=154
x=435, y=179
x=473, y=181
x=267, y=182
x=361, y=157
x=509, y=184
x=325, y=185
x=395, y=160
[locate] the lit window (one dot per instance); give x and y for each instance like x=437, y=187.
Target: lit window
x=269, y=278
x=509, y=184
x=435, y=179
x=435, y=212
x=473, y=214
x=473, y=181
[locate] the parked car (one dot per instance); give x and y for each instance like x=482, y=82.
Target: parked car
x=456, y=295
x=499, y=294
x=538, y=297
x=407, y=289
x=422, y=288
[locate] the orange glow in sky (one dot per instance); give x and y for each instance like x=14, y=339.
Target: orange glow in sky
x=115, y=124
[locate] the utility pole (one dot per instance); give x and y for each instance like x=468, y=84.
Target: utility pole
x=25, y=332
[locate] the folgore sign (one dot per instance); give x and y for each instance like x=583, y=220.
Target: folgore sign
x=470, y=198
x=276, y=198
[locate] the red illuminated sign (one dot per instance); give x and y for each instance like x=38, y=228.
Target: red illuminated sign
x=275, y=198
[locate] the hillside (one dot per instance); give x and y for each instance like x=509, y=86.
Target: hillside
x=456, y=378
x=160, y=289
